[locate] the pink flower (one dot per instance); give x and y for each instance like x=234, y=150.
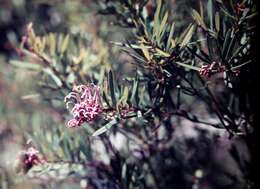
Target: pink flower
x=30, y=157
x=210, y=69
x=86, y=103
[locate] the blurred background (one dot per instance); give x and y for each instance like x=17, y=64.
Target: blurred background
x=23, y=111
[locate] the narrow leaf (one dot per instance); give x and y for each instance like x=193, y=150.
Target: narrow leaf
x=188, y=66
x=230, y=46
x=64, y=44
x=170, y=37
x=198, y=19
x=188, y=36
x=239, y=66
x=163, y=23
x=217, y=21
x=156, y=18
x=134, y=90
x=226, y=42
x=104, y=128
x=173, y=43
x=162, y=53
x=210, y=13
x=30, y=96
x=52, y=43
x=145, y=52
x=25, y=65
x=201, y=10
x=55, y=78
x=124, y=96
x=112, y=88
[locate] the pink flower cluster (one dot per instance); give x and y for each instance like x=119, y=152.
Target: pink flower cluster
x=86, y=103
x=210, y=69
x=31, y=157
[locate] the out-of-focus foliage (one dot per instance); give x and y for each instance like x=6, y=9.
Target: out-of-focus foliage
x=170, y=75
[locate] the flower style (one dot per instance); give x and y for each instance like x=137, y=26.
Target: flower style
x=86, y=103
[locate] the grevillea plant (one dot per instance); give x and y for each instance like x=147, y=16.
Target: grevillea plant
x=167, y=73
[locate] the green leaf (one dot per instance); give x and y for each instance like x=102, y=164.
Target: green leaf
x=187, y=37
x=250, y=16
x=104, y=128
x=52, y=43
x=30, y=96
x=112, y=87
x=201, y=55
x=145, y=52
x=227, y=13
x=188, y=66
x=201, y=10
x=210, y=13
x=84, y=148
x=64, y=44
x=230, y=46
x=55, y=78
x=134, y=92
x=105, y=91
x=123, y=174
x=162, y=53
x=211, y=46
x=163, y=23
x=239, y=66
x=170, y=37
x=198, y=19
x=25, y=65
x=156, y=19
x=71, y=78
x=217, y=21
x=226, y=42
x=124, y=96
